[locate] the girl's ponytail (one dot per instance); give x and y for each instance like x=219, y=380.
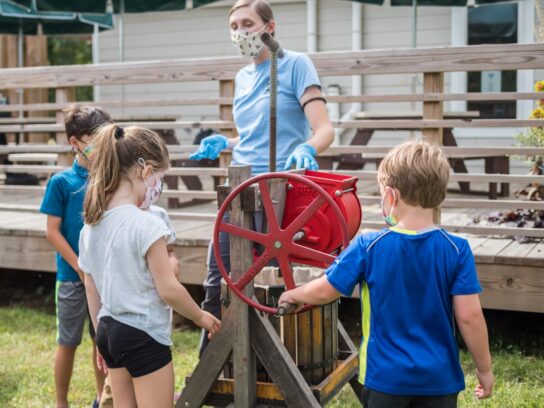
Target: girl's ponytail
x=105, y=172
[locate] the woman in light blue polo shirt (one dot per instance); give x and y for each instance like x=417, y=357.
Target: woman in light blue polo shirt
x=303, y=126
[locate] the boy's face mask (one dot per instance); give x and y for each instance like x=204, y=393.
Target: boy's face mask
x=84, y=149
x=88, y=151
x=390, y=219
x=248, y=44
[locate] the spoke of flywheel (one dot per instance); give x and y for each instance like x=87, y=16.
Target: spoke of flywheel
x=253, y=270
x=243, y=232
x=305, y=215
x=266, y=199
x=309, y=253
x=286, y=271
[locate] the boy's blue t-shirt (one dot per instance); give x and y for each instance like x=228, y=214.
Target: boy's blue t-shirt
x=407, y=282
x=64, y=198
x=296, y=73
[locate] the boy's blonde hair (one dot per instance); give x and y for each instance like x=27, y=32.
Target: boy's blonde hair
x=419, y=171
x=117, y=151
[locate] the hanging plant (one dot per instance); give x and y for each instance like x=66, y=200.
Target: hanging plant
x=534, y=137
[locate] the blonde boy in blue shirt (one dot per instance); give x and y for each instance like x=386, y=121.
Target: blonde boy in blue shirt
x=415, y=278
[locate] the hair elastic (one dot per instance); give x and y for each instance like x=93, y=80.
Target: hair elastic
x=119, y=132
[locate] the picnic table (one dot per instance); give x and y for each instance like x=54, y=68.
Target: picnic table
x=493, y=163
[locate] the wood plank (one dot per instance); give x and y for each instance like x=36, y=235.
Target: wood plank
x=30, y=107
x=431, y=96
x=179, y=124
x=535, y=257
x=304, y=348
x=328, y=352
x=518, y=288
x=475, y=242
x=373, y=115
x=265, y=390
x=335, y=327
x=27, y=253
x=450, y=151
x=278, y=363
x=316, y=341
x=408, y=124
x=488, y=250
x=472, y=203
x=62, y=95
x=288, y=332
x=443, y=59
x=344, y=372
x=226, y=89
x=220, y=171
x=192, y=263
x=241, y=259
x=433, y=110
x=214, y=357
x=515, y=253
x=36, y=55
x=472, y=96
x=377, y=151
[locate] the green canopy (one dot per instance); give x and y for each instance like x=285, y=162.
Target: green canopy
x=440, y=3
x=18, y=19
x=99, y=6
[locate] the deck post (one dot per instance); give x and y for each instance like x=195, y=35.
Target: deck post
x=63, y=95
x=243, y=356
x=226, y=90
x=433, y=82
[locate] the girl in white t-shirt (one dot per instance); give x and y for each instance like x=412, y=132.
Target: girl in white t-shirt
x=131, y=289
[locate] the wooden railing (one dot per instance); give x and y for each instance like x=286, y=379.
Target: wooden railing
x=433, y=63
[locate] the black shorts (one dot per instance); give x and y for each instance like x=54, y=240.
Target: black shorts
x=376, y=399
x=124, y=346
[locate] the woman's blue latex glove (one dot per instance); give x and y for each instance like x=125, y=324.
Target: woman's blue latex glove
x=303, y=157
x=210, y=147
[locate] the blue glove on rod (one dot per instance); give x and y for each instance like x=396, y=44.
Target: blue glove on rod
x=210, y=147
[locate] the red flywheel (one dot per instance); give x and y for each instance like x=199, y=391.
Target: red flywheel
x=279, y=241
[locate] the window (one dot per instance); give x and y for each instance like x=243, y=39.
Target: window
x=493, y=24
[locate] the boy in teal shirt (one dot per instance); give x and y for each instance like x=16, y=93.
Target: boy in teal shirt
x=63, y=204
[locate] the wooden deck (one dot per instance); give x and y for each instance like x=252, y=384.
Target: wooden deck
x=511, y=272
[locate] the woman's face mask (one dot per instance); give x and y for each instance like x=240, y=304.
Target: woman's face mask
x=390, y=219
x=248, y=44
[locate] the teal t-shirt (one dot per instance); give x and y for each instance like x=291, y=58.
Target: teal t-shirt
x=64, y=198
x=296, y=73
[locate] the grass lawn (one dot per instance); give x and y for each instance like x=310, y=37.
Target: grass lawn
x=27, y=344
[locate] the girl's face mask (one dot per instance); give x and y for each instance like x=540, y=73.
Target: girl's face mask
x=153, y=189
x=390, y=219
x=248, y=44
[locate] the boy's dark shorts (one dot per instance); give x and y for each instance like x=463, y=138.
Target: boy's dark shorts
x=124, y=346
x=376, y=399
